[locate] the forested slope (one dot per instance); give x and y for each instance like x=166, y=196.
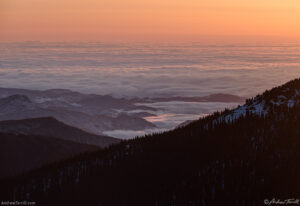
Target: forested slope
x=236, y=157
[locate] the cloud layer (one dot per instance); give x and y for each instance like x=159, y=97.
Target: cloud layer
x=148, y=69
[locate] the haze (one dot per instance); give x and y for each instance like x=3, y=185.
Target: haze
x=93, y=20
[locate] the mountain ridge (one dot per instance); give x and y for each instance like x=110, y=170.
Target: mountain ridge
x=244, y=160
x=20, y=153
x=49, y=126
x=90, y=116
x=217, y=97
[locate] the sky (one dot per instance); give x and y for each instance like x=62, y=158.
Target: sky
x=98, y=20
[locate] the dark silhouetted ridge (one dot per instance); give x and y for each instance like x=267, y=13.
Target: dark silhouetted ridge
x=235, y=157
x=48, y=126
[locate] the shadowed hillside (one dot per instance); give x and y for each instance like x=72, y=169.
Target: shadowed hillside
x=234, y=157
x=22, y=153
x=51, y=127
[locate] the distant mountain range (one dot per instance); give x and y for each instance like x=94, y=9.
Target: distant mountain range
x=89, y=112
x=242, y=156
x=208, y=98
x=92, y=113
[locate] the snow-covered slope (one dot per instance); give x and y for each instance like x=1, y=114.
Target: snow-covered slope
x=286, y=95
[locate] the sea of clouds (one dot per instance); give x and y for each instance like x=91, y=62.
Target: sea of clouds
x=145, y=70
x=150, y=70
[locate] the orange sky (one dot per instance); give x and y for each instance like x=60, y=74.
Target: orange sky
x=97, y=20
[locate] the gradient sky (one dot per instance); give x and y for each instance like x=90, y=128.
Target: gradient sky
x=97, y=20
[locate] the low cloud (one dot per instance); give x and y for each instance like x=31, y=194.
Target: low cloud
x=143, y=71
